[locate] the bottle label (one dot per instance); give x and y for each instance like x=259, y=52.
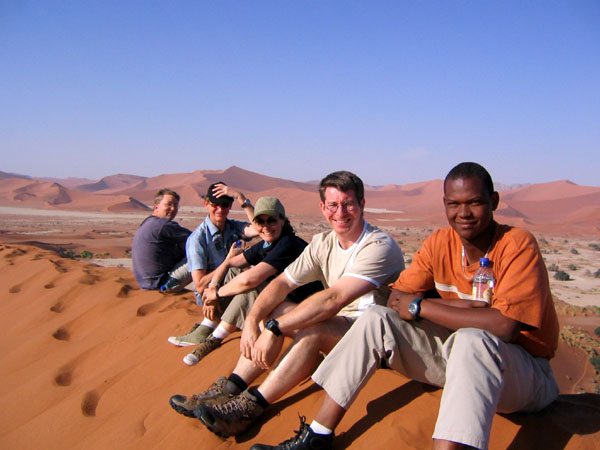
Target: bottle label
x=483, y=291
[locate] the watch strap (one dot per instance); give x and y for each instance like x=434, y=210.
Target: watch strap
x=273, y=326
x=414, y=308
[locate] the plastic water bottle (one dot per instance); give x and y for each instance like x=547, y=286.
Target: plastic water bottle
x=483, y=282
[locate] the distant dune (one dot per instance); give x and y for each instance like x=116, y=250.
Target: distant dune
x=560, y=205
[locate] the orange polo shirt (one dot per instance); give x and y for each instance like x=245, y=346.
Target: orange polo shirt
x=521, y=291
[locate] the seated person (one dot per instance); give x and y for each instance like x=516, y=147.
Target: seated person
x=488, y=358
x=355, y=263
x=208, y=245
x=269, y=257
x=158, y=249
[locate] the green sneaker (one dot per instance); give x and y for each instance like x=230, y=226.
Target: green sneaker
x=196, y=335
x=204, y=348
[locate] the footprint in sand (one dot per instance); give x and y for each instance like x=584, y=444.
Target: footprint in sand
x=146, y=309
x=125, y=280
x=64, y=376
x=16, y=288
x=58, y=307
x=124, y=291
x=62, y=334
x=59, y=266
x=90, y=400
x=89, y=403
x=88, y=278
x=140, y=428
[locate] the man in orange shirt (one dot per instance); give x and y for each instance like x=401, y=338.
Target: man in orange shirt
x=487, y=358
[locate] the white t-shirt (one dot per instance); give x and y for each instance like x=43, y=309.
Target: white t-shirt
x=374, y=257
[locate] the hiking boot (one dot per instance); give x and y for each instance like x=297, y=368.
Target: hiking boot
x=196, y=335
x=215, y=394
x=305, y=439
x=203, y=349
x=231, y=417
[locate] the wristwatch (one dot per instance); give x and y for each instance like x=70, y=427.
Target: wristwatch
x=247, y=203
x=414, y=308
x=273, y=326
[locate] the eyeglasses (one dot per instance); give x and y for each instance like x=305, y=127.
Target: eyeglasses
x=269, y=221
x=348, y=206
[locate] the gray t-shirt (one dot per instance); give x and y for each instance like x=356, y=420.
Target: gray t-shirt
x=158, y=245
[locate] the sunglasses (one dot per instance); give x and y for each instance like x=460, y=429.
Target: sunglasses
x=222, y=205
x=269, y=221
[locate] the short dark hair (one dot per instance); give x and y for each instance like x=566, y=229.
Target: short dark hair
x=471, y=170
x=165, y=191
x=344, y=181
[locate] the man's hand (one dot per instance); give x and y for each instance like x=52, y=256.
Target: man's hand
x=265, y=351
x=221, y=189
x=250, y=334
x=399, y=302
x=235, y=250
x=210, y=295
x=211, y=312
x=211, y=307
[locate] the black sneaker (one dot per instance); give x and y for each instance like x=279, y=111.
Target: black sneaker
x=305, y=439
x=216, y=393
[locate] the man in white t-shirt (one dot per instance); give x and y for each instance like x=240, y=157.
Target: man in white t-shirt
x=354, y=261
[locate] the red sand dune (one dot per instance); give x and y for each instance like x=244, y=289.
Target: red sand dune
x=111, y=183
x=85, y=364
x=51, y=195
x=560, y=205
x=549, y=191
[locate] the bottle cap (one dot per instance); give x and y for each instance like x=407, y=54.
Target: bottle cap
x=484, y=262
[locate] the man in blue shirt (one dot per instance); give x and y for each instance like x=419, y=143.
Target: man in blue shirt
x=208, y=245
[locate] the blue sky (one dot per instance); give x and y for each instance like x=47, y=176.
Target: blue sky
x=396, y=91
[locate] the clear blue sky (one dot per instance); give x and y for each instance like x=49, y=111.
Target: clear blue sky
x=395, y=91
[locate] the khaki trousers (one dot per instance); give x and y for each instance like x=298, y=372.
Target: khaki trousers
x=236, y=308
x=479, y=372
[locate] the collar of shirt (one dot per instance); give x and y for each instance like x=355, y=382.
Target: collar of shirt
x=212, y=228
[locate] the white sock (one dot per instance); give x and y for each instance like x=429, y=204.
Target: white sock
x=319, y=429
x=210, y=323
x=220, y=332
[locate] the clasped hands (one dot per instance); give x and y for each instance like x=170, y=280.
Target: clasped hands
x=259, y=346
x=211, y=308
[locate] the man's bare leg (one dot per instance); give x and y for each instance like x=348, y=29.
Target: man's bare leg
x=302, y=357
x=330, y=414
x=245, y=368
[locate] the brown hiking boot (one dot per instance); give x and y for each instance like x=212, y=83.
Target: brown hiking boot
x=231, y=417
x=215, y=394
x=204, y=348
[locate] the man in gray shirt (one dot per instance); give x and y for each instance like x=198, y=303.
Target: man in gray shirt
x=158, y=250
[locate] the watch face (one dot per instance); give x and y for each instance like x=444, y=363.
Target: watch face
x=412, y=309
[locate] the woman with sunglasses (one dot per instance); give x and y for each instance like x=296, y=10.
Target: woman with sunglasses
x=268, y=258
